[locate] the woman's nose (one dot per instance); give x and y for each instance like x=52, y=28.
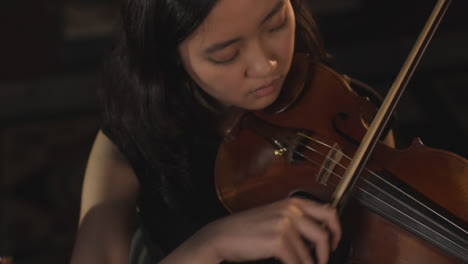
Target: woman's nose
x=260, y=64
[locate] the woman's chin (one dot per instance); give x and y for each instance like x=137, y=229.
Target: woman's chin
x=263, y=102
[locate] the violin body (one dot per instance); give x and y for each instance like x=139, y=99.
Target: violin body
x=409, y=205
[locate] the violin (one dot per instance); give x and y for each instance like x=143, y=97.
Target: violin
x=401, y=206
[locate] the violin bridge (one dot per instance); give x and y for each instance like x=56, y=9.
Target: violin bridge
x=332, y=159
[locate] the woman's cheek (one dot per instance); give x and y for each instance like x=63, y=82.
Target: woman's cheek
x=228, y=76
x=215, y=81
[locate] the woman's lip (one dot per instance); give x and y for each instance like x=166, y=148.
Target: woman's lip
x=266, y=89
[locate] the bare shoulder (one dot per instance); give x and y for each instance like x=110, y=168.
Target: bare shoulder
x=109, y=178
x=108, y=203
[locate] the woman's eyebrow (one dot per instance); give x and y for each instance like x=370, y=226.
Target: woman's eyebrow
x=221, y=45
x=273, y=12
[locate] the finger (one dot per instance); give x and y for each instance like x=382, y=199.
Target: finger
x=332, y=222
x=315, y=234
x=322, y=213
x=285, y=250
x=301, y=250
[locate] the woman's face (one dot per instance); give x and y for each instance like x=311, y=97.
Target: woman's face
x=242, y=52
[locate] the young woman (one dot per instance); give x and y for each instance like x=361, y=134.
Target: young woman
x=178, y=65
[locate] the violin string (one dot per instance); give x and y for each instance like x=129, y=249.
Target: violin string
x=379, y=177
x=366, y=181
x=391, y=206
x=421, y=234
x=376, y=175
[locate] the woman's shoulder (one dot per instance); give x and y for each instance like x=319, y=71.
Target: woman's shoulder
x=108, y=175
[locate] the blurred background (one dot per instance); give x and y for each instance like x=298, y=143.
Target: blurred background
x=50, y=59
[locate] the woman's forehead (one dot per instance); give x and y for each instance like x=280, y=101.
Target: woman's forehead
x=231, y=17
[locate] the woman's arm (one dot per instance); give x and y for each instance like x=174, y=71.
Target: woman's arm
x=108, y=204
x=276, y=230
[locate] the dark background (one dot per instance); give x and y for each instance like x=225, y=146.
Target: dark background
x=50, y=55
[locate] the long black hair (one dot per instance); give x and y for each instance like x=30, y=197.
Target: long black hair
x=148, y=105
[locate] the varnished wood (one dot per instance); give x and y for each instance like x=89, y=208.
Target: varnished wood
x=248, y=173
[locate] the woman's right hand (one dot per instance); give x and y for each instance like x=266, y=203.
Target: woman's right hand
x=282, y=230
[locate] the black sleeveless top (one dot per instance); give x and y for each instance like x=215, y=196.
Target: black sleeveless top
x=165, y=225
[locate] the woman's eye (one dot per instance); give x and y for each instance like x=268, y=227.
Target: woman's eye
x=225, y=61
x=277, y=28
